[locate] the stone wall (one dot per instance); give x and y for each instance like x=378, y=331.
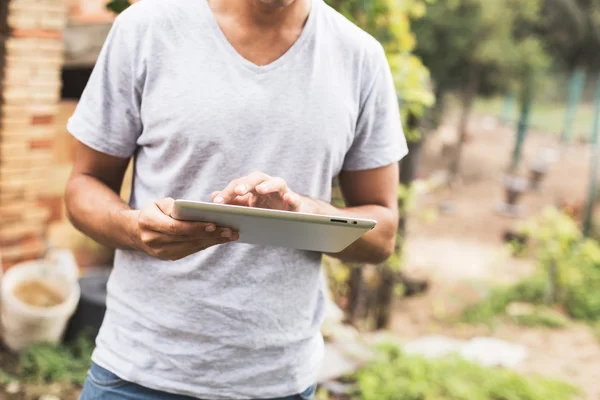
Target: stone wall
x=31, y=57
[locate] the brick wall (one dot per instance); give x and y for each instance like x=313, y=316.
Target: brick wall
x=31, y=56
x=89, y=11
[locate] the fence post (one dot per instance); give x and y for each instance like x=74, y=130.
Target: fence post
x=526, y=100
x=575, y=92
x=587, y=223
x=507, y=108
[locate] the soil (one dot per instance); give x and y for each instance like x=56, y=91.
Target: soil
x=37, y=293
x=462, y=253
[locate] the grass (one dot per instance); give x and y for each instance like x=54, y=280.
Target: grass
x=398, y=376
x=530, y=290
x=545, y=117
x=64, y=363
x=541, y=317
x=45, y=363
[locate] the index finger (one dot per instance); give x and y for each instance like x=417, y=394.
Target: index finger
x=240, y=187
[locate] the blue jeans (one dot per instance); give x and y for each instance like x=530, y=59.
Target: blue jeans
x=102, y=384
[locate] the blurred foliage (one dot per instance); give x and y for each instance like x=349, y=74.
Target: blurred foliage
x=571, y=31
x=541, y=317
x=6, y=378
x=496, y=36
x=531, y=290
x=118, y=6
x=397, y=376
x=339, y=273
x=390, y=22
x=63, y=363
x=559, y=242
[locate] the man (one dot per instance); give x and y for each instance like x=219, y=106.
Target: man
x=251, y=102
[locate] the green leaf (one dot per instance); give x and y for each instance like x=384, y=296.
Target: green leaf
x=118, y=6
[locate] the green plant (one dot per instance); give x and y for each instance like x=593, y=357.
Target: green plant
x=63, y=363
x=321, y=394
x=571, y=263
x=530, y=290
x=541, y=317
x=118, y=6
x=6, y=378
x=568, y=275
x=397, y=376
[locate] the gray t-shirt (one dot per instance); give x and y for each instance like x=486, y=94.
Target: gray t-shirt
x=236, y=321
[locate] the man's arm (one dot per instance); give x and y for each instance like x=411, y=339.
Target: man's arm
x=369, y=194
x=95, y=208
x=93, y=203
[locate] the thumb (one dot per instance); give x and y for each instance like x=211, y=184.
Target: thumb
x=293, y=200
x=165, y=205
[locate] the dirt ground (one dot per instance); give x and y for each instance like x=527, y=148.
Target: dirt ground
x=462, y=252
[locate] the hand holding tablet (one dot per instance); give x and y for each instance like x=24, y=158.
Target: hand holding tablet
x=264, y=211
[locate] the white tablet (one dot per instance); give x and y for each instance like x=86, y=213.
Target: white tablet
x=327, y=234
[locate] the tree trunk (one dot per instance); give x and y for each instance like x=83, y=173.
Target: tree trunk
x=467, y=99
x=390, y=277
x=357, y=296
x=436, y=114
x=385, y=293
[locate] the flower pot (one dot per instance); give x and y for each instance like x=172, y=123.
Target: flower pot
x=37, y=299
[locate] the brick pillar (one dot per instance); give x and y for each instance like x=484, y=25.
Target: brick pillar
x=31, y=57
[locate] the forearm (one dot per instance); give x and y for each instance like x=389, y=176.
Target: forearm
x=97, y=211
x=374, y=246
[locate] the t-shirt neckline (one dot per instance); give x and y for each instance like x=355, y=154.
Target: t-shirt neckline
x=296, y=46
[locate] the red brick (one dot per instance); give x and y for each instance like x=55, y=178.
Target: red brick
x=54, y=205
x=21, y=173
x=11, y=242
x=34, y=158
x=24, y=213
x=37, y=33
x=42, y=120
x=6, y=265
x=31, y=249
x=41, y=144
x=15, y=232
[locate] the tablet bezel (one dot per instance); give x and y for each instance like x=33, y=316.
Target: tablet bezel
x=359, y=223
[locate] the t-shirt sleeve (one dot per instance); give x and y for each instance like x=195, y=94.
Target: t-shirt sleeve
x=379, y=138
x=107, y=117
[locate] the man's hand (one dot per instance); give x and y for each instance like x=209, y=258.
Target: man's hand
x=263, y=191
x=163, y=237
